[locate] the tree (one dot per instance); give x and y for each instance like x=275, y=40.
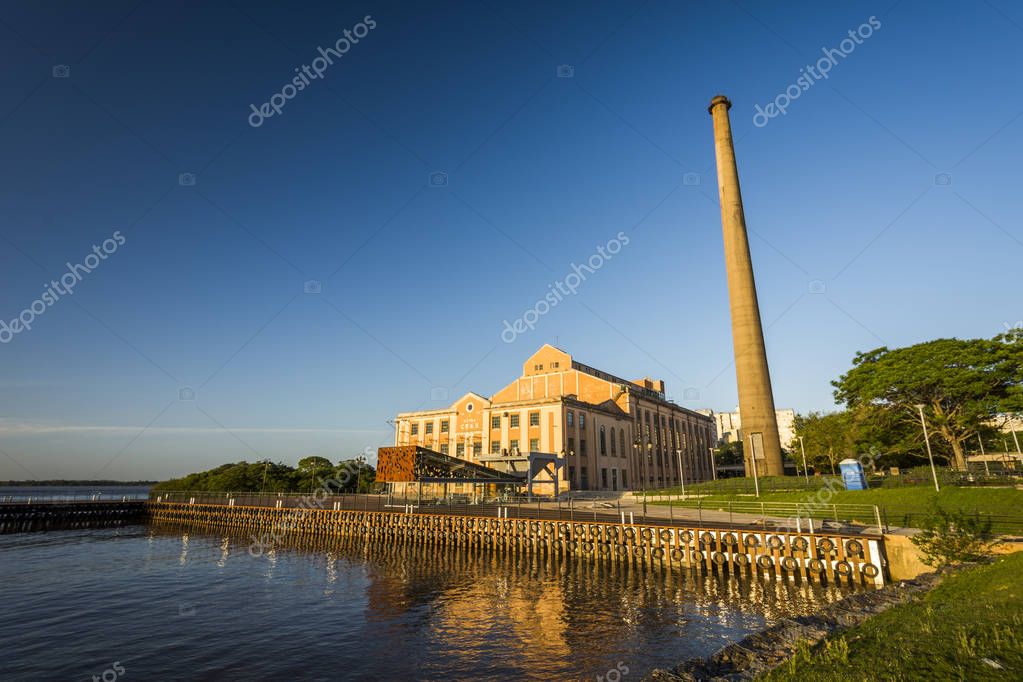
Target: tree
x=314, y=463
x=729, y=453
x=828, y=438
x=962, y=384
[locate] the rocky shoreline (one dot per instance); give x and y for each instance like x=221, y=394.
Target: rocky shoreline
x=771, y=647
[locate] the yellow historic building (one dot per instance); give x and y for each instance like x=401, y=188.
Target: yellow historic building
x=607, y=433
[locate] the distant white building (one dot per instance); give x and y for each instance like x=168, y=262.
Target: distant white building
x=729, y=425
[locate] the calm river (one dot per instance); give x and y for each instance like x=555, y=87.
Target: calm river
x=166, y=603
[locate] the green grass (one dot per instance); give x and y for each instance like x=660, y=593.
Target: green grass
x=971, y=615
x=902, y=504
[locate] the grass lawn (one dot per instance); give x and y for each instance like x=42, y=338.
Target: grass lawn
x=946, y=635
x=898, y=502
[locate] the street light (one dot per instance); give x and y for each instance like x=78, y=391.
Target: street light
x=713, y=465
x=681, y=473
x=930, y=456
x=806, y=472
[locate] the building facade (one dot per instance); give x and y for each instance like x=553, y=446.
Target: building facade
x=729, y=426
x=609, y=433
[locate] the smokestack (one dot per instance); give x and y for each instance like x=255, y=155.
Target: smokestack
x=756, y=401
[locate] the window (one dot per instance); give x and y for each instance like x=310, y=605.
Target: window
x=460, y=450
x=614, y=450
x=570, y=418
x=534, y=445
x=582, y=447
x=477, y=449
x=621, y=442
x=495, y=422
x=571, y=474
x=534, y=419
x=513, y=444
x=571, y=446
x=584, y=483
x=614, y=479
x=555, y=365
x=429, y=427
x=495, y=447
x=582, y=420
x=469, y=407
x=603, y=479
x=603, y=441
x=443, y=448
x=537, y=368
x=514, y=421
x=444, y=426
x=415, y=429
x=625, y=482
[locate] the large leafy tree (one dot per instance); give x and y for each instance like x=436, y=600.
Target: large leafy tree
x=963, y=385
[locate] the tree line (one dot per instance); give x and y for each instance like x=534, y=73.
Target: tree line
x=966, y=389
x=348, y=475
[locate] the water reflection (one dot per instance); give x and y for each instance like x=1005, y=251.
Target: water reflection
x=461, y=614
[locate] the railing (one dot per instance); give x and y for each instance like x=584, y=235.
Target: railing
x=799, y=514
x=753, y=515
x=29, y=498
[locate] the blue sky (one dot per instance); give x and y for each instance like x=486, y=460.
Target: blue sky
x=884, y=209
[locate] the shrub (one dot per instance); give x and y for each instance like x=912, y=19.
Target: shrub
x=951, y=537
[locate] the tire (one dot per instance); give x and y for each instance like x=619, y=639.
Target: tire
x=870, y=570
x=843, y=568
x=764, y=561
x=719, y=558
x=815, y=565
x=854, y=547
x=826, y=545
x=790, y=564
x=741, y=559
x=799, y=543
x=731, y=540
x=686, y=536
x=665, y=535
x=751, y=541
x=677, y=555
x=706, y=537
x=775, y=542
x=657, y=553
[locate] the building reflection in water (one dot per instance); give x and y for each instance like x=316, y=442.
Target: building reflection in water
x=505, y=614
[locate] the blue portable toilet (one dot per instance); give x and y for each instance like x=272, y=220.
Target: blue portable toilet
x=852, y=474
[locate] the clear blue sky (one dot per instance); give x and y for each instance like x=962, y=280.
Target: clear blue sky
x=207, y=291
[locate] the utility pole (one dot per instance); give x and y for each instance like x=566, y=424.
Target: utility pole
x=806, y=472
x=934, y=472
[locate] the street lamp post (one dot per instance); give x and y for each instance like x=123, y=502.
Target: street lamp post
x=713, y=465
x=927, y=439
x=681, y=473
x=806, y=472
x=1012, y=425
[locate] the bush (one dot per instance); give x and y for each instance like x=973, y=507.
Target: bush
x=951, y=537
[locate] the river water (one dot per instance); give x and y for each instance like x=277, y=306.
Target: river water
x=170, y=603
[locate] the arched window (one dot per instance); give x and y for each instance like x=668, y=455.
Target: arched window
x=603, y=441
x=614, y=444
x=621, y=441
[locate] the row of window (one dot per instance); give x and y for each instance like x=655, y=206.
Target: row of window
x=570, y=419
x=414, y=429
x=606, y=482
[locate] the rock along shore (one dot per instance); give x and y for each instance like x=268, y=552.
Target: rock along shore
x=771, y=647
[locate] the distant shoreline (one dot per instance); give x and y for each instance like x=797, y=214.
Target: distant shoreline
x=57, y=483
